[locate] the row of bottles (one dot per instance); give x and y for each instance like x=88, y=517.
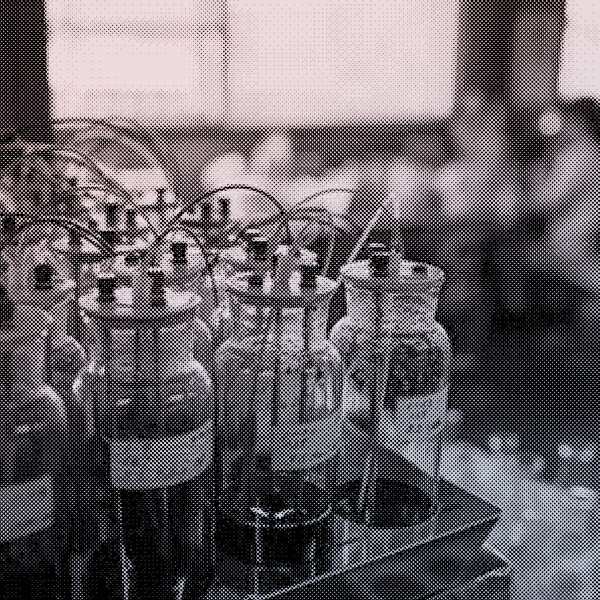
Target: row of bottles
x=198, y=428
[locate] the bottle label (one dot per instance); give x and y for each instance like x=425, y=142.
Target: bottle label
x=415, y=396
x=26, y=508
x=307, y=445
x=141, y=464
x=420, y=416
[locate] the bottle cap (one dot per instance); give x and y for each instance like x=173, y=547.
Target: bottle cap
x=157, y=288
x=308, y=275
x=379, y=264
x=258, y=248
x=131, y=259
x=74, y=238
x=106, y=288
x=42, y=276
x=9, y=226
x=225, y=208
x=111, y=213
x=255, y=280
x=110, y=236
x=179, y=252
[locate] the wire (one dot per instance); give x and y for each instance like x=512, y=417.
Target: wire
x=147, y=148
x=192, y=203
x=365, y=235
x=67, y=226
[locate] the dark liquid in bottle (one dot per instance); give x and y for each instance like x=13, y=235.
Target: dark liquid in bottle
x=104, y=577
x=389, y=504
x=166, y=539
x=32, y=567
x=273, y=529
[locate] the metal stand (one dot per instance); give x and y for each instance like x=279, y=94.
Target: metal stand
x=443, y=559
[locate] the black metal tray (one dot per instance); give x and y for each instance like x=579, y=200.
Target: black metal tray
x=422, y=561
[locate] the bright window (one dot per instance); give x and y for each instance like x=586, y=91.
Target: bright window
x=290, y=62
x=150, y=60
x=579, y=73
x=341, y=61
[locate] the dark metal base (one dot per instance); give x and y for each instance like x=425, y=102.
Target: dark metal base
x=433, y=560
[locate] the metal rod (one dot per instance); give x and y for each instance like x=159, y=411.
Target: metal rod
x=368, y=490
x=363, y=238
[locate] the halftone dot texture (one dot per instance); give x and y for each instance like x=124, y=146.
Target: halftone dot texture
x=328, y=63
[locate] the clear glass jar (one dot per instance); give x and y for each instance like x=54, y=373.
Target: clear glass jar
x=148, y=447
x=278, y=424
x=183, y=271
x=251, y=254
x=34, y=502
x=44, y=288
x=396, y=358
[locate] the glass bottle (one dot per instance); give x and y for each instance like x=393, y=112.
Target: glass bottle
x=44, y=288
x=148, y=445
x=34, y=507
x=396, y=359
x=252, y=253
x=572, y=551
x=183, y=271
x=278, y=424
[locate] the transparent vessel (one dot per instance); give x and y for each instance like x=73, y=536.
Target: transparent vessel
x=279, y=429
x=183, y=269
x=396, y=359
x=43, y=287
x=254, y=252
x=145, y=519
x=34, y=506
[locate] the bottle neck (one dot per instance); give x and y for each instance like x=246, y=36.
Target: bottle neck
x=391, y=311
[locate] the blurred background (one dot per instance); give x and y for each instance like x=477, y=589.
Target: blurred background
x=482, y=119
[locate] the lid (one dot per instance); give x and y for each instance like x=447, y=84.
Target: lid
x=400, y=275
x=45, y=288
x=237, y=256
x=206, y=216
x=183, y=264
x=296, y=294
x=121, y=313
x=85, y=251
x=121, y=218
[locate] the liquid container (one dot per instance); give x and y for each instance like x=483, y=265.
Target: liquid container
x=34, y=504
x=43, y=287
x=278, y=423
x=252, y=253
x=183, y=270
x=396, y=358
x=146, y=527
